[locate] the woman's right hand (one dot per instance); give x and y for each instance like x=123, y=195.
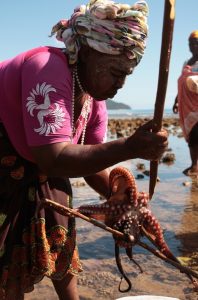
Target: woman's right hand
x=175, y=106
x=146, y=144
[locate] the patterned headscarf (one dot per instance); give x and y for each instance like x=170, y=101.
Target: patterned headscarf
x=107, y=27
x=193, y=35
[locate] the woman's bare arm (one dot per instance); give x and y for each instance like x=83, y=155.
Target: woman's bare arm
x=100, y=182
x=65, y=159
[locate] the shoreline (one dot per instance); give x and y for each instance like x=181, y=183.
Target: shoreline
x=123, y=127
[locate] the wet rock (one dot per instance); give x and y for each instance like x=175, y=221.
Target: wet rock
x=180, y=135
x=119, y=134
x=78, y=183
x=139, y=176
x=168, y=158
x=140, y=166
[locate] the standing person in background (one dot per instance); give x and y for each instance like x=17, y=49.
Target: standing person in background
x=186, y=103
x=53, y=127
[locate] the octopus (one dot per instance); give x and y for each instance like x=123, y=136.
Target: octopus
x=128, y=213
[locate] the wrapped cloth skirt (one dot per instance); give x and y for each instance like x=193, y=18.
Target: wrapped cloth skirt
x=34, y=241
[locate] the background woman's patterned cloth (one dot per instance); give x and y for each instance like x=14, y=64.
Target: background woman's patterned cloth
x=188, y=98
x=34, y=242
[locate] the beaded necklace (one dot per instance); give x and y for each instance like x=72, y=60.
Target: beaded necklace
x=86, y=106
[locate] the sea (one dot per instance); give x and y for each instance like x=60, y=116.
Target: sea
x=135, y=113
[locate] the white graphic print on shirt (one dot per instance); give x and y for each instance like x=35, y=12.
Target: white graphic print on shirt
x=50, y=116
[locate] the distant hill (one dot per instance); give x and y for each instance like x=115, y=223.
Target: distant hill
x=116, y=105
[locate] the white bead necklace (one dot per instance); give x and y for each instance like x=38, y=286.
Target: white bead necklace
x=86, y=106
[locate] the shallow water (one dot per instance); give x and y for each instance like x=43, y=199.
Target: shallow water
x=175, y=204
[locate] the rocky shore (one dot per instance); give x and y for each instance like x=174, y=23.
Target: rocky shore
x=125, y=127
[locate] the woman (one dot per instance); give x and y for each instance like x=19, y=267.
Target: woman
x=53, y=127
x=186, y=103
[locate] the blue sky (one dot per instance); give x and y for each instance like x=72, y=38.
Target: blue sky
x=27, y=24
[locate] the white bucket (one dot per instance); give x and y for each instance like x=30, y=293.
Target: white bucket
x=147, y=297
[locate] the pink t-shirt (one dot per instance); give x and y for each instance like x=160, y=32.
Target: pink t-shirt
x=36, y=102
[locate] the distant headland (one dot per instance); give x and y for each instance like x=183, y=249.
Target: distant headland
x=116, y=105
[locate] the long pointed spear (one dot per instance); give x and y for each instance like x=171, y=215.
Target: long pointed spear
x=166, y=46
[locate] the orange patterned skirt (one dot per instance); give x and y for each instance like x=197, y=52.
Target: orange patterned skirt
x=34, y=241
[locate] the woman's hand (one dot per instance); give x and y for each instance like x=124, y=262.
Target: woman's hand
x=175, y=106
x=146, y=144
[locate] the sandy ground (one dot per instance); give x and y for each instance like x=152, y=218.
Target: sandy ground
x=100, y=281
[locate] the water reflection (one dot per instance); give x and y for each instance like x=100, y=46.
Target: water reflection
x=189, y=225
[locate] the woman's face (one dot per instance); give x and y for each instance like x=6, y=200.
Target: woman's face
x=103, y=74
x=193, y=46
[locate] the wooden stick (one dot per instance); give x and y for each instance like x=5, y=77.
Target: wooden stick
x=66, y=211
x=166, y=46
x=173, y=259
x=177, y=265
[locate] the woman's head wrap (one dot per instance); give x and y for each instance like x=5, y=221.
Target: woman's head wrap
x=193, y=35
x=107, y=27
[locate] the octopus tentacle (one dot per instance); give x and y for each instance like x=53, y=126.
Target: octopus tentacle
x=153, y=227
x=130, y=182
x=99, y=211
x=130, y=256
x=119, y=265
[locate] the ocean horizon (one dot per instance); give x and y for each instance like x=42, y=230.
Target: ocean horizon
x=135, y=113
